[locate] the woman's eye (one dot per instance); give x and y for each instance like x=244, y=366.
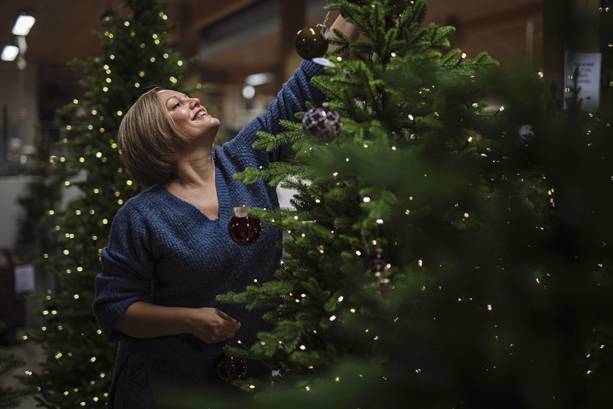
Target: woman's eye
x=176, y=105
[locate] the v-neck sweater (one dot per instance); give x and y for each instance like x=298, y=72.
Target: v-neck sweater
x=163, y=250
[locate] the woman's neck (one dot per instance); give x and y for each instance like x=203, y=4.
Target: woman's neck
x=195, y=169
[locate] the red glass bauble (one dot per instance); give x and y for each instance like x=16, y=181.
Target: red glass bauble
x=244, y=229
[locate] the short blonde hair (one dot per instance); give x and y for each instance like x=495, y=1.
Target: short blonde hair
x=149, y=140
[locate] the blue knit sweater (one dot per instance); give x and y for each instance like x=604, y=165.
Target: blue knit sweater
x=163, y=250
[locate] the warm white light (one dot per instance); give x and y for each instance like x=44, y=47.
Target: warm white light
x=9, y=53
x=248, y=92
x=258, y=79
x=23, y=25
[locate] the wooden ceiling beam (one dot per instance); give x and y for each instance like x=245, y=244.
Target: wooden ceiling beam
x=206, y=13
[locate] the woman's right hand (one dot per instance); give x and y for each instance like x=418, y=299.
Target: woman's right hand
x=211, y=325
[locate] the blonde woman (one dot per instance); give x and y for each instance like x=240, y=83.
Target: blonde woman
x=169, y=252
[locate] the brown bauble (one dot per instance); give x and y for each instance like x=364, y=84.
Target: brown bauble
x=311, y=43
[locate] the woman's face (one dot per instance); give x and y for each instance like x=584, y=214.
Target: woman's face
x=189, y=116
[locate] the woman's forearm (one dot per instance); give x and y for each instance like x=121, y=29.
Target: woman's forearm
x=144, y=320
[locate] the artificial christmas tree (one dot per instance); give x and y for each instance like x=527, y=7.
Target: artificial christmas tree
x=391, y=107
x=77, y=370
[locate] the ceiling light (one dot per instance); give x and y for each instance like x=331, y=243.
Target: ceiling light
x=258, y=79
x=248, y=92
x=9, y=53
x=23, y=25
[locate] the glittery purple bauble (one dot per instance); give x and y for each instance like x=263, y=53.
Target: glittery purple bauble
x=324, y=124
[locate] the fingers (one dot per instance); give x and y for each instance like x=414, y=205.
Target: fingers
x=224, y=315
x=217, y=326
x=233, y=323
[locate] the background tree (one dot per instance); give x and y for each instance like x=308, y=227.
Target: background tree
x=136, y=55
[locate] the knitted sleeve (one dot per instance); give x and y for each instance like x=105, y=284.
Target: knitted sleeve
x=127, y=267
x=290, y=100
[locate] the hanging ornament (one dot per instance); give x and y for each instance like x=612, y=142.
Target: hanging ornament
x=324, y=124
x=380, y=270
x=231, y=368
x=311, y=42
x=378, y=266
x=244, y=229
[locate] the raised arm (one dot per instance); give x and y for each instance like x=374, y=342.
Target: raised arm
x=290, y=100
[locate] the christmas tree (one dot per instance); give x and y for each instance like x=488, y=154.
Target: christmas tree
x=449, y=247
x=406, y=102
x=136, y=55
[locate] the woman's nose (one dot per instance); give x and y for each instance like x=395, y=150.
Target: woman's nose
x=194, y=102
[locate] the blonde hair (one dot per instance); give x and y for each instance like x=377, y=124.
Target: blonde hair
x=149, y=141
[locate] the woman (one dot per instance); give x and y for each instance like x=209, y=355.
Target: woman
x=169, y=252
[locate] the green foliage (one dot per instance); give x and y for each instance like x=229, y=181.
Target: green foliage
x=78, y=364
x=490, y=211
